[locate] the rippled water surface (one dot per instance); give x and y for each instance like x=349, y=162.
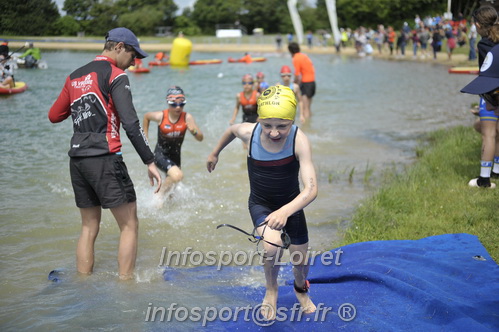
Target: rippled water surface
x=367, y=116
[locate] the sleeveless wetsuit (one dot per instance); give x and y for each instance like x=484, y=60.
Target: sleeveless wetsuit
x=170, y=139
x=249, y=107
x=274, y=182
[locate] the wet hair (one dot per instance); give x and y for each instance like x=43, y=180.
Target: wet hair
x=294, y=48
x=486, y=16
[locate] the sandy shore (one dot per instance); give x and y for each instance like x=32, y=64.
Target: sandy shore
x=442, y=58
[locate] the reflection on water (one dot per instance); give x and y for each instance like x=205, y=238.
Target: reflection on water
x=367, y=115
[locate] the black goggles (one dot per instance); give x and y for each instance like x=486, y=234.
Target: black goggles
x=175, y=104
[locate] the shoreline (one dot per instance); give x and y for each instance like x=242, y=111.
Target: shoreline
x=87, y=45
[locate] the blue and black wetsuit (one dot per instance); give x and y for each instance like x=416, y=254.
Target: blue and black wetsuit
x=274, y=182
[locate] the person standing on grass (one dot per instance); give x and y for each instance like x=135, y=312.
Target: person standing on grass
x=98, y=98
x=305, y=78
x=485, y=18
x=486, y=85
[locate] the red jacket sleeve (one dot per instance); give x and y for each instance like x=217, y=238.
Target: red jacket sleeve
x=61, y=108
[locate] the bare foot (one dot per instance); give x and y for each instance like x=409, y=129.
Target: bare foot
x=307, y=306
x=269, y=304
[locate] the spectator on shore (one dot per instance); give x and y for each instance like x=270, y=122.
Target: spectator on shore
x=473, y=34
x=485, y=18
x=436, y=43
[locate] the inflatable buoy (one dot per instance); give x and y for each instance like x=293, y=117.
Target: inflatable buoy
x=181, y=52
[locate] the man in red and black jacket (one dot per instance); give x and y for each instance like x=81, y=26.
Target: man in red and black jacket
x=97, y=96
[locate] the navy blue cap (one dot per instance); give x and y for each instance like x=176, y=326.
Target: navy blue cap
x=128, y=37
x=488, y=78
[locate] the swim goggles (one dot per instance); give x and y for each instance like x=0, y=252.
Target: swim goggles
x=175, y=104
x=250, y=83
x=255, y=238
x=491, y=97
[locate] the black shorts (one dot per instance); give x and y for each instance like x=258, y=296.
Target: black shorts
x=101, y=181
x=296, y=226
x=164, y=162
x=307, y=89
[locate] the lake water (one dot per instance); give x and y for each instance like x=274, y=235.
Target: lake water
x=367, y=117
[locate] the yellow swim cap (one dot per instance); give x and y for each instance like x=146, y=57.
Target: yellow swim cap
x=277, y=102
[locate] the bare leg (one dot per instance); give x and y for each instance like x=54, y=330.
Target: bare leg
x=306, y=113
x=271, y=269
x=298, y=254
x=173, y=176
x=90, y=222
x=128, y=222
x=488, y=130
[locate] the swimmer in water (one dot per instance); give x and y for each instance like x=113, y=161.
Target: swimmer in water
x=279, y=154
x=246, y=99
x=286, y=81
x=173, y=124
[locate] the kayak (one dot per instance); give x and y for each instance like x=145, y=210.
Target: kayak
x=158, y=63
x=205, y=62
x=141, y=70
x=18, y=88
x=257, y=59
x=464, y=70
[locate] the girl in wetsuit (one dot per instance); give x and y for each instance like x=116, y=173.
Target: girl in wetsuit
x=246, y=99
x=173, y=123
x=279, y=155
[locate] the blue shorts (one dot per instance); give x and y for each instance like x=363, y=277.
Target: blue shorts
x=296, y=226
x=486, y=115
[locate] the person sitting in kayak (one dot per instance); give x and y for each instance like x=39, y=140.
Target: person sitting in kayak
x=31, y=56
x=7, y=78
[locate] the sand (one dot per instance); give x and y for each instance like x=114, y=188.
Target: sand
x=442, y=58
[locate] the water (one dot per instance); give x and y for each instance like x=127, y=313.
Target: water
x=367, y=116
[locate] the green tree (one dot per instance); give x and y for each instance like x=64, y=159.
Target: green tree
x=271, y=15
x=65, y=26
x=355, y=13
x=79, y=9
x=186, y=24
x=135, y=21
x=103, y=18
x=27, y=17
x=208, y=13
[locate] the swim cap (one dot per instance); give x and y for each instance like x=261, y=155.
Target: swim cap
x=285, y=70
x=264, y=86
x=247, y=77
x=175, y=91
x=259, y=74
x=277, y=102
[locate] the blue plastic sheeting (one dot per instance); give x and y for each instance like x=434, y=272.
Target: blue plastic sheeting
x=441, y=283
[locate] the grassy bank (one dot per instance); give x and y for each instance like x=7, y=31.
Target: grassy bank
x=432, y=197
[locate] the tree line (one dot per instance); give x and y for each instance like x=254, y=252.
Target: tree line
x=96, y=17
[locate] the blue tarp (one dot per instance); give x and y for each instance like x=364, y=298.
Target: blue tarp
x=441, y=283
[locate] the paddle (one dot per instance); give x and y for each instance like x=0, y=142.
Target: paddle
x=10, y=55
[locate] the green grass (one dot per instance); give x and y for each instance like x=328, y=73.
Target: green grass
x=432, y=197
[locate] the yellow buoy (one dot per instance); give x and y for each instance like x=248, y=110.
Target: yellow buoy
x=181, y=52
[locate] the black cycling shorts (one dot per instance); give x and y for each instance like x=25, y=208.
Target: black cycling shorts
x=308, y=89
x=101, y=181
